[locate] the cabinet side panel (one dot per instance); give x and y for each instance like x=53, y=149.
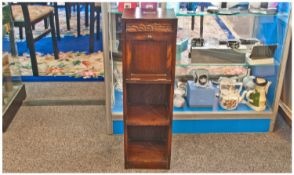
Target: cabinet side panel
x=172, y=54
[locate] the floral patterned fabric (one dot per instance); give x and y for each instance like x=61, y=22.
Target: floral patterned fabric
x=69, y=64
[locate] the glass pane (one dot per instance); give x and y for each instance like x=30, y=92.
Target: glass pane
x=269, y=30
x=272, y=31
x=221, y=60
x=10, y=61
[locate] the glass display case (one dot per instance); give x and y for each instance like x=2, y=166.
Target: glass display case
x=13, y=91
x=229, y=65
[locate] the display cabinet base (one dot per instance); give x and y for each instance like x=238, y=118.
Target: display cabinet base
x=211, y=126
x=10, y=112
x=255, y=108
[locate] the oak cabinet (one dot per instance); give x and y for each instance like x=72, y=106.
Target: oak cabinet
x=149, y=49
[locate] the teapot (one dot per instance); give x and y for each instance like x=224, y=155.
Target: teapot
x=256, y=99
x=230, y=90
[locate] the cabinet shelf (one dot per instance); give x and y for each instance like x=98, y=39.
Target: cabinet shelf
x=147, y=80
x=147, y=115
x=117, y=108
x=276, y=63
x=147, y=154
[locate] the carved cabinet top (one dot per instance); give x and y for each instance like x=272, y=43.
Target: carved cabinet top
x=149, y=27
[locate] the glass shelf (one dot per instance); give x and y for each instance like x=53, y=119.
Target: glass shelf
x=212, y=64
x=117, y=107
x=245, y=13
x=242, y=13
x=227, y=64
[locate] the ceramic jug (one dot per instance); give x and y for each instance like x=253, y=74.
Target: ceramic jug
x=256, y=99
x=229, y=97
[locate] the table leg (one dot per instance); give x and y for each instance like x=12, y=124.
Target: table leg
x=46, y=23
x=54, y=41
x=56, y=20
x=87, y=14
x=201, y=21
x=192, y=23
x=67, y=15
x=98, y=24
x=92, y=21
x=78, y=19
x=20, y=33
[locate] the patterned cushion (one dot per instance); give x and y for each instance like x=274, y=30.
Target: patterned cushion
x=35, y=11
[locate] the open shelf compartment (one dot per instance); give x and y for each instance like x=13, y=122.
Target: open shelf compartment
x=147, y=147
x=147, y=104
x=147, y=115
x=142, y=154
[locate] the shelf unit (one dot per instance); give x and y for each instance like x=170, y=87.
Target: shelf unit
x=267, y=28
x=148, y=85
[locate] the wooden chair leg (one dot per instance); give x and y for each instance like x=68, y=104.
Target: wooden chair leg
x=69, y=10
x=92, y=21
x=78, y=19
x=20, y=33
x=54, y=41
x=56, y=20
x=30, y=39
x=98, y=24
x=67, y=16
x=12, y=41
x=86, y=14
x=46, y=23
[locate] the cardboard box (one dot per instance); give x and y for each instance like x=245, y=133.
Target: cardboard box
x=200, y=96
x=149, y=5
